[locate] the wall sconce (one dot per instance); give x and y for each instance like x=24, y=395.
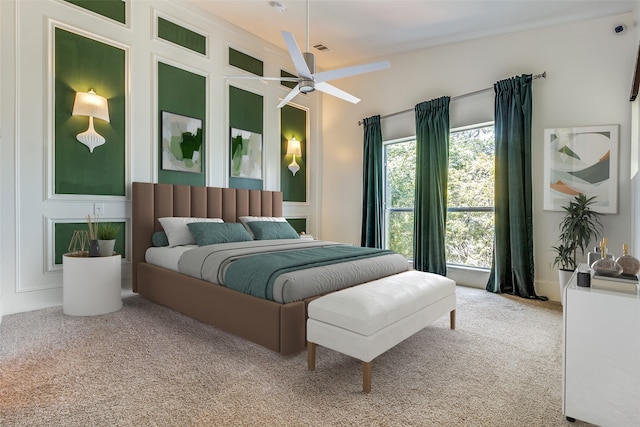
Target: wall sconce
x=293, y=147
x=92, y=105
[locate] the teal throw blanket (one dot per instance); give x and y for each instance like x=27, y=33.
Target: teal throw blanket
x=256, y=274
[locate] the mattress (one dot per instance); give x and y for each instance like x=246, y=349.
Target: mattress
x=211, y=263
x=166, y=257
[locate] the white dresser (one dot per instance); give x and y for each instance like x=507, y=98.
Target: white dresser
x=601, y=375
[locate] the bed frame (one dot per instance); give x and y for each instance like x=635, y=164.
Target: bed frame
x=279, y=327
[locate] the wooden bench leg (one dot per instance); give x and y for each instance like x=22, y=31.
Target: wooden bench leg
x=452, y=319
x=366, y=377
x=311, y=356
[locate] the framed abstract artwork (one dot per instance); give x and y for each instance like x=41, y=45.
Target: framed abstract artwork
x=245, y=154
x=181, y=143
x=581, y=160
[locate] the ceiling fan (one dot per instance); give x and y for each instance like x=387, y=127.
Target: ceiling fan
x=308, y=80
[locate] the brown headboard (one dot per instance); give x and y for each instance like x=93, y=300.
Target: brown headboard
x=152, y=201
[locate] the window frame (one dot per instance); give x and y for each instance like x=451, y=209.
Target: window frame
x=387, y=209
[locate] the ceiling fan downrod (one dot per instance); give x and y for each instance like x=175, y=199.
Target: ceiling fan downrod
x=307, y=85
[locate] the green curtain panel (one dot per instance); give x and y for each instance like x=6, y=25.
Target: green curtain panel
x=372, y=211
x=432, y=169
x=512, y=270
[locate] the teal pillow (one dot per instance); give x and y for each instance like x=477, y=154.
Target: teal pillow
x=160, y=239
x=270, y=230
x=210, y=233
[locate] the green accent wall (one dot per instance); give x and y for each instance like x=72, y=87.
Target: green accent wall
x=290, y=85
x=246, y=113
x=293, y=122
x=181, y=92
x=298, y=224
x=63, y=232
x=246, y=62
x=181, y=36
x=113, y=9
x=82, y=64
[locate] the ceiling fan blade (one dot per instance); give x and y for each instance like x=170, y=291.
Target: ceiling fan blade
x=332, y=90
x=281, y=79
x=296, y=55
x=290, y=96
x=350, y=71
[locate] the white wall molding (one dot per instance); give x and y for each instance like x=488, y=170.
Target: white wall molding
x=30, y=209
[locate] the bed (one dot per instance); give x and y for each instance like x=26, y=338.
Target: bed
x=279, y=326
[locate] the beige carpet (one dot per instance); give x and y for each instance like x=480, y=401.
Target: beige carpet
x=146, y=365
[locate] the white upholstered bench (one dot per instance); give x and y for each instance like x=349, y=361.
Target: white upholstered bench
x=366, y=320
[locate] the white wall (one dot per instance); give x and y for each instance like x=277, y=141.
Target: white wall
x=635, y=148
x=589, y=73
x=589, y=70
x=29, y=278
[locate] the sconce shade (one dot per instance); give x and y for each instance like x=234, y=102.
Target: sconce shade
x=92, y=105
x=293, y=147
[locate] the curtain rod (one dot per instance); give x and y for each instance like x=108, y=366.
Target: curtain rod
x=542, y=75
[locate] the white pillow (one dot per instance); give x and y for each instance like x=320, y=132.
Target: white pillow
x=177, y=231
x=247, y=219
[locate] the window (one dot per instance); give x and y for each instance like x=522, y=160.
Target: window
x=399, y=195
x=469, y=228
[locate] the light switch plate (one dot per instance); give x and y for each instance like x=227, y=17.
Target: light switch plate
x=98, y=208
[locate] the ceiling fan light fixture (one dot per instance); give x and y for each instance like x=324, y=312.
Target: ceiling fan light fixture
x=306, y=86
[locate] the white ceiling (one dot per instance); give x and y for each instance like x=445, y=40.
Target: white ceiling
x=359, y=31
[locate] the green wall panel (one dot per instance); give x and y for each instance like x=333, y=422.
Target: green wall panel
x=181, y=92
x=63, y=232
x=246, y=113
x=293, y=122
x=298, y=224
x=246, y=62
x=113, y=9
x=181, y=36
x=290, y=85
x=82, y=64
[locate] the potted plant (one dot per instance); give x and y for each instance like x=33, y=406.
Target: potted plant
x=580, y=225
x=107, y=233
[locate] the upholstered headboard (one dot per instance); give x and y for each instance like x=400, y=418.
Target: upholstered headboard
x=152, y=201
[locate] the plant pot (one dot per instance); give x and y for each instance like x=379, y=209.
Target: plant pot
x=563, y=277
x=106, y=247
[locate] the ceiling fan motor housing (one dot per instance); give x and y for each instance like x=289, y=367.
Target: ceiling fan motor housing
x=307, y=85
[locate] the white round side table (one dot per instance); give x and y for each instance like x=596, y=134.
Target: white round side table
x=91, y=285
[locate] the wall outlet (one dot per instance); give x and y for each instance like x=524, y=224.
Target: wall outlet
x=98, y=208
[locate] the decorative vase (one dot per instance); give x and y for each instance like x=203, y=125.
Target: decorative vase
x=106, y=247
x=606, y=266
x=630, y=265
x=94, y=249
